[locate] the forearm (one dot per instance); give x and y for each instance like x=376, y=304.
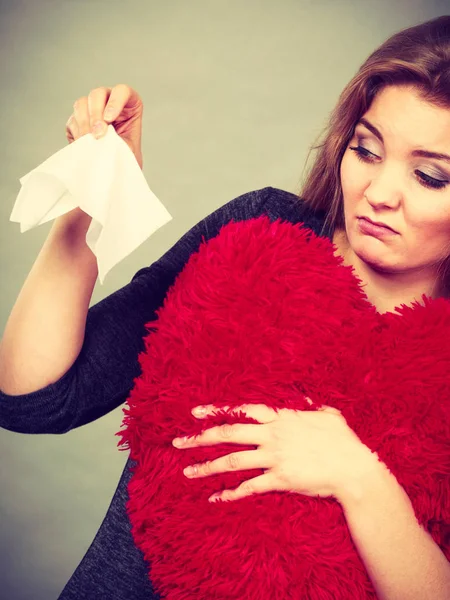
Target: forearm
x=401, y=558
x=45, y=330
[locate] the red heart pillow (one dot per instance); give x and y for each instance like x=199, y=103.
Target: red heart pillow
x=265, y=313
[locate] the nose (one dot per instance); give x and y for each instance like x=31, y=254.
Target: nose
x=384, y=188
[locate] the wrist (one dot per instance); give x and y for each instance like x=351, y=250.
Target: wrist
x=365, y=474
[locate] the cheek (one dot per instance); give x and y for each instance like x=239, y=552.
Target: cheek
x=433, y=234
x=426, y=232
x=426, y=219
x=354, y=175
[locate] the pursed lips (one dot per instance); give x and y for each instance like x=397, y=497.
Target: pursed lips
x=378, y=225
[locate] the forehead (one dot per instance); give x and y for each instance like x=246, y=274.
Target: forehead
x=402, y=116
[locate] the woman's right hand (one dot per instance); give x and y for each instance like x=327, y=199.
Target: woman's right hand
x=126, y=117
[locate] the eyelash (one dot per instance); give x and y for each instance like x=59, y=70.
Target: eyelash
x=363, y=155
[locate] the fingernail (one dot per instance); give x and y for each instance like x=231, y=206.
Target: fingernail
x=179, y=441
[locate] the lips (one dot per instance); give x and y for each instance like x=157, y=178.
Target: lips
x=378, y=224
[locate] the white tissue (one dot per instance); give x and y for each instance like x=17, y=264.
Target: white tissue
x=103, y=178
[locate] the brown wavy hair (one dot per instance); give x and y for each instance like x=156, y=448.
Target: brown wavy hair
x=417, y=57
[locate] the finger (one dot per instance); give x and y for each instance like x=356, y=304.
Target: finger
x=235, y=433
x=237, y=461
x=121, y=96
x=96, y=102
x=257, y=485
x=81, y=115
x=259, y=412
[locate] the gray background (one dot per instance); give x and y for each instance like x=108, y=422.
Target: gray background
x=234, y=92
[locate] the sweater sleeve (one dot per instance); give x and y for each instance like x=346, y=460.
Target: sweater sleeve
x=103, y=374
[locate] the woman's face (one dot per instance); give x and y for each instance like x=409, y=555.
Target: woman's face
x=392, y=184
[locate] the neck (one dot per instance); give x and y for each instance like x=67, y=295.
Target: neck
x=386, y=290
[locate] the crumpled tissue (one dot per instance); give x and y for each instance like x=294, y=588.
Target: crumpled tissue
x=103, y=178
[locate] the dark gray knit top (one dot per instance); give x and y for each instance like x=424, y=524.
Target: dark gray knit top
x=103, y=374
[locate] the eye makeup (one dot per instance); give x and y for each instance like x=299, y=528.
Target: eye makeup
x=364, y=155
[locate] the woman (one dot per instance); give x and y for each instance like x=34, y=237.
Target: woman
x=368, y=167
x=403, y=87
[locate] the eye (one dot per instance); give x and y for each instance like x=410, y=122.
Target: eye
x=428, y=181
x=364, y=155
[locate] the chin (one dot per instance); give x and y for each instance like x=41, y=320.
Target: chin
x=369, y=250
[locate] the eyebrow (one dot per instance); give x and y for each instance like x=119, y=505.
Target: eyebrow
x=424, y=153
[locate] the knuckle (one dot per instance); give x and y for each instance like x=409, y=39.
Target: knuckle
x=79, y=102
x=80, y=112
x=226, y=430
x=206, y=467
x=119, y=95
x=96, y=102
x=276, y=431
x=116, y=92
x=122, y=86
x=232, y=461
x=246, y=488
x=95, y=94
x=97, y=91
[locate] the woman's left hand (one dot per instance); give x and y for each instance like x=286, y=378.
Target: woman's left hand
x=314, y=453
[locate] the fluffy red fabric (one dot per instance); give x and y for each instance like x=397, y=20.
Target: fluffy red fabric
x=265, y=313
